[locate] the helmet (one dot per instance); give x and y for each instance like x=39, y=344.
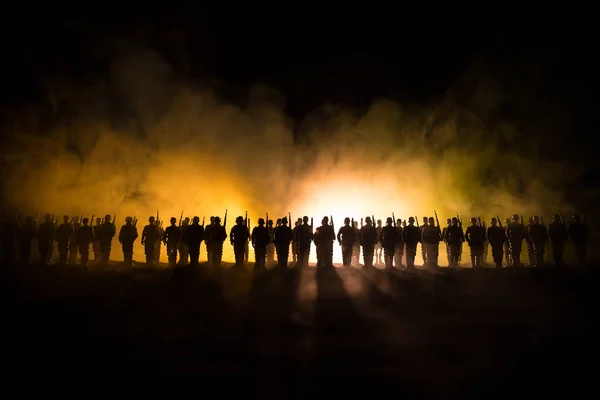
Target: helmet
x=128, y=219
x=239, y=219
x=151, y=219
x=196, y=219
x=389, y=220
x=217, y=220
x=284, y=220
x=173, y=220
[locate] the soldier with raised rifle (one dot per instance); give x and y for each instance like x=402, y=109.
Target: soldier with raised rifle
x=368, y=240
x=388, y=242
x=432, y=235
x=507, y=252
x=538, y=236
x=399, y=250
x=516, y=234
x=295, y=231
x=356, y=247
x=423, y=245
x=106, y=233
x=326, y=239
x=172, y=239
x=305, y=237
x=73, y=250
x=283, y=238
x=454, y=239
x=444, y=231
x=184, y=252
x=475, y=236
x=127, y=236
x=193, y=236
x=63, y=237
x=529, y=242
x=150, y=235
x=217, y=237
x=412, y=237
x=496, y=237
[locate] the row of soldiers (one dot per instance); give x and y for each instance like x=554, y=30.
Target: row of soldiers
x=396, y=239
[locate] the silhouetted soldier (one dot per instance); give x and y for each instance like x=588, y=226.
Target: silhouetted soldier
x=444, y=231
x=217, y=237
x=557, y=232
x=260, y=240
x=207, y=243
x=184, y=254
x=271, y=245
x=26, y=236
x=507, y=252
x=530, y=250
x=423, y=245
x=106, y=233
x=305, y=237
x=283, y=238
x=127, y=236
x=388, y=242
x=538, y=236
x=96, y=241
x=238, y=236
x=84, y=235
x=150, y=235
x=432, y=235
x=412, y=236
x=46, y=239
x=317, y=242
x=295, y=231
x=399, y=250
x=475, y=236
x=159, y=242
x=346, y=238
x=454, y=239
x=378, y=245
x=496, y=237
x=356, y=247
x=515, y=232
x=327, y=238
x=73, y=250
x=580, y=234
x=171, y=240
x=193, y=236
x=247, y=244
x=368, y=240
x=63, y=237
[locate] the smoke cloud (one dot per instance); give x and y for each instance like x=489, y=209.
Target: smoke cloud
x=143, y=139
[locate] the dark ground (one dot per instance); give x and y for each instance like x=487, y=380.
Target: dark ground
x=304, y=333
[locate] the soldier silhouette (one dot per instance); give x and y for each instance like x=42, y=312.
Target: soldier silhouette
x=378, y=245
x=84, y=235
x=346, y=238
x=507, y=250
x=529, y=242
x=271, y=245
x=515, y=232
x=326, y=239
x=193, y=236
x=127, y=236
x=96, y=241
x=412, y=237
x=63, y=237
x=283, y=238
x=106, y=232
x=388, y=237
x=444, y=231
x=454, y=239
x=368, y=240
x=496, y=237
x=150, y=235
x=423, y=244
x=217, y=237
x=238, y=236
x=184, y=254
x=73, y=250
x=207, y=242
x=558, y=234
x=260, y=240
x=305, y=237
x=295, y=231
x=356, y=247
x=538, y=236
x=399, y=250
x=432, y=236
x=475, y=236
x=172, y=239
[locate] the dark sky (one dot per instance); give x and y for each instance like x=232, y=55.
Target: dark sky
x=409, y=54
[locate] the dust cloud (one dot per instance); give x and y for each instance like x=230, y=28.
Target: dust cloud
x=144, y=139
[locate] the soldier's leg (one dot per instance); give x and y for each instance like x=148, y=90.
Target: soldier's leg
x=85, y=255
x=434, y=255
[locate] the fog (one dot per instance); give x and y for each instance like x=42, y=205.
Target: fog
x=143, y=139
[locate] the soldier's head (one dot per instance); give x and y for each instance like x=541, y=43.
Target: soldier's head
x=411, y=220
x=425, y=220
x=173, y=220
x=454, y=221
x=217, y=220
x=431, y=221
x=278, y=221
x=107, y=218
x=299, y=221
x=576, y=218
x=305, y=219
x=239, y=220
x=270, y=222
x=186, y=220
x=85, y=221
x=284, y=221
x=449, y=221
x=261, y=222
x=48, y=218
x=473, y=221
x=507, y=221
x=515, y=218
x=346, y=221
x=398, y=222
x=494, y=221
x=196, y=220
x=556, y=218
x=389, y=221
x=368, y=220
x=356, y=224
x=325, y=221
x=212, y=220
x=76, y=219
x=531, y=221
x=536, y=219
x=66, y=219
x=151, y=220
x=128, y=220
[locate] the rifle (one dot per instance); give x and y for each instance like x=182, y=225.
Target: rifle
x=417, y=219
x=246, y=220
x=135, y=221
x=373, y=220
x=203, y=218
x=92, y=221
x=437, y=221
x=267, y=221
x=225, y=220
x=361, y=222
x=522, y=223
x=479, y=221
x=157, y=217
x=37, y=219
x=311, y=224
x=562, y=219
x=499, y=222
x=114, y=219
x=181, y=218
x=459, y=221
x=289, y=219
x=394, y=220
x=332, y=227
x=352, y=222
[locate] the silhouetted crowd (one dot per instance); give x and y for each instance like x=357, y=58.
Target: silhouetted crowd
x=391, y=245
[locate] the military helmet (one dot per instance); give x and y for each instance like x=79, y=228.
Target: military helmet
x=325, y=219
x=173, y=219
x=85, y=221
x=217, y=220
x=151, y=219
x=473, y=219
x=411, y=219
x=261, y=221
x=515, y=217
x=128, y=219
x=368, y=219
x=389, y=220
x=196, y=219
x=284, y=220
x=346, y=220
x=239, y=219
